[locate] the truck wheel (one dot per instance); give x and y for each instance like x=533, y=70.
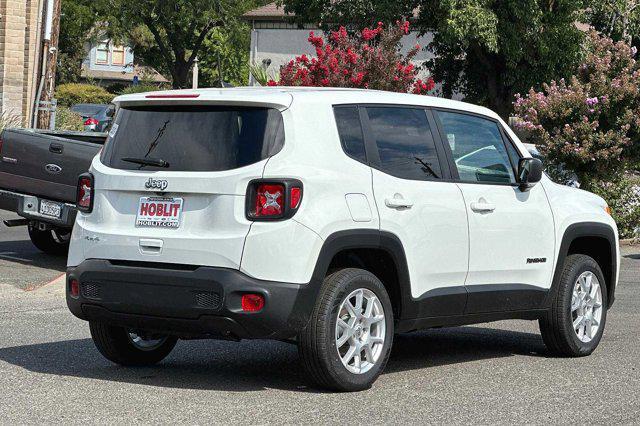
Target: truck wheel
x=347, y=341
x=574, y=325
x=51, y=241
x=128, y=347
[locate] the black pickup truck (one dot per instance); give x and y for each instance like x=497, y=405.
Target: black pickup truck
x=38, y=178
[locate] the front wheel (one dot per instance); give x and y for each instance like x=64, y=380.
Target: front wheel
x=575, y=323
x=130, y=347
x=347, y=342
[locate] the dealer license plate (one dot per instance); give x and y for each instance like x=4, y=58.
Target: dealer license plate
x=50, y=208
x=160, y=212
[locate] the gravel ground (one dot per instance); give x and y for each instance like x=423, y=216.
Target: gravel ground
x=492, y=373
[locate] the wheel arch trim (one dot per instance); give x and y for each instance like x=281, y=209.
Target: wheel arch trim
x=579, y=230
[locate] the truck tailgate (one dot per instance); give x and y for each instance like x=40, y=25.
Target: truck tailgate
x=43, y=164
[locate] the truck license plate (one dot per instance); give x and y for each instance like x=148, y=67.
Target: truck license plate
x=160, y=212
x=50, y=208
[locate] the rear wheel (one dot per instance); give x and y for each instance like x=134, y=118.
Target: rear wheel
x=348, y=339
x=51, y=241
x=575, y=323
x=130, y=347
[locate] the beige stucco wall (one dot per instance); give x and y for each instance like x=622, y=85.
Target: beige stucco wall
x=19, y=56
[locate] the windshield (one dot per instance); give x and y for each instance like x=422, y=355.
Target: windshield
x=192, y=138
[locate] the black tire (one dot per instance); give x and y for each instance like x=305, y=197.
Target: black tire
x=115, y=345
x=557, y=326
x=317, y=345
x=51, y=241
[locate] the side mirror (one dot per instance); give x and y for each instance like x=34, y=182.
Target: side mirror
x=529, y=172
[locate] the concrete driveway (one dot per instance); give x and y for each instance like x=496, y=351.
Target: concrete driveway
x=492, y=373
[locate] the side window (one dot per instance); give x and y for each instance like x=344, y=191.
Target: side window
x=405, y=143
x=478, y=149
x=350, y=131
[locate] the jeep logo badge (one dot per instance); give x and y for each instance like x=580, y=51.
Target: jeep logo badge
x=156, y=184
x=53, y=169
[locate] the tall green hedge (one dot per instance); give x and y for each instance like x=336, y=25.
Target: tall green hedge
x=77, y=93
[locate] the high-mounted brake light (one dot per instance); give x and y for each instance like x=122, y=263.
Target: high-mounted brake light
x=84, y=195
x=273, y=200
x=174, y=96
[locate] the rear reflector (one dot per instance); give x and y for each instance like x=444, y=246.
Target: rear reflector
x=74, y=287
x=252, y=302
x=174, y=96
x=296, y=195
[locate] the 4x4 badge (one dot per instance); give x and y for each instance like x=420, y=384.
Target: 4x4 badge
x=160, y=184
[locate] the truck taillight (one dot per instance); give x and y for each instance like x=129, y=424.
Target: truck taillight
x=273, y=200
x=84, y=196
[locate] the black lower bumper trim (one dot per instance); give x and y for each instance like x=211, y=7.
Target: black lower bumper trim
x=195, y=301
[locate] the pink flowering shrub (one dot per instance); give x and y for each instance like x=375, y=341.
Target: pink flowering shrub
x=589, y=124
x=371, y=59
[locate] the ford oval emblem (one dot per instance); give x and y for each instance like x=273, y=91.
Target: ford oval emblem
x=54, y=169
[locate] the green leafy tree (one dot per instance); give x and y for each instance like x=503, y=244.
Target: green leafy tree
x=355, y=14
x=489, y=50
x=166, y=35
x=76, y=20
x=486, y=50
x=169, y=35
x=618, y=19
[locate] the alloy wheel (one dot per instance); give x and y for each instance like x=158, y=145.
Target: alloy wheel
x=360, y=331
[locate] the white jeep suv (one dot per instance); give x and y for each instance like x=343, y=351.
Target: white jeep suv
x=330, y=218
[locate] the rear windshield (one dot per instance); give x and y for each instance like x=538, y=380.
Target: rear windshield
x=88, y=109
x=192, y=138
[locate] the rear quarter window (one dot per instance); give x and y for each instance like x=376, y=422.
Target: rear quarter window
x=193, y=138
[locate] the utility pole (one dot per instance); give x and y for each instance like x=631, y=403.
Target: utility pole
x=195, y=73
x=49, y=78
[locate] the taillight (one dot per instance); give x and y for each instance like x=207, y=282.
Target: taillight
x=1, y=143
x=273, y=200
x=84, y=195
x=91, y=121
x=252, y=302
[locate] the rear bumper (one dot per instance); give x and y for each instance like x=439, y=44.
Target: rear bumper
x=28, y=206
x=186, y=300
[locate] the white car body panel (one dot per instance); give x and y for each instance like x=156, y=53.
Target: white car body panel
x=441, y=247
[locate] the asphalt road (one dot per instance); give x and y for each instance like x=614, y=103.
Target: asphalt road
x=493, y=373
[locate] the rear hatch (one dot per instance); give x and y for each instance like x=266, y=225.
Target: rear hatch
x=46, y=164
x=170, y=184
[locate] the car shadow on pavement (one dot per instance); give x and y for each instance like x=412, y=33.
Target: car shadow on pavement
x=24, y=253
x=258, y=365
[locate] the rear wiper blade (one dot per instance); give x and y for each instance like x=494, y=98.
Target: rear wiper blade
x=147, y=161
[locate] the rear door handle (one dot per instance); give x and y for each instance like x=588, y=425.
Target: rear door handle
x=56, y=148
x=397, y=202
x=482, y=206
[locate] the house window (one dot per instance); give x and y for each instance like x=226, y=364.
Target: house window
x=102, y=53
x=117, y=55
